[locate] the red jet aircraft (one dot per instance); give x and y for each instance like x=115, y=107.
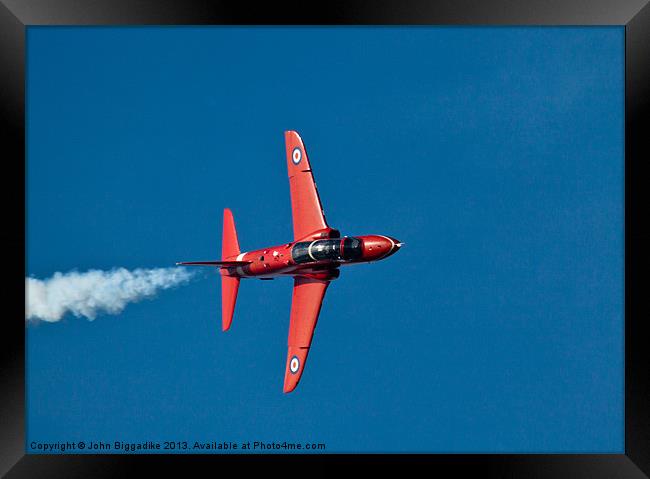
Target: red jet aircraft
x=312, y=258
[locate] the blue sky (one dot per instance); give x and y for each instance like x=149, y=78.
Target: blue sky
x=495, y=154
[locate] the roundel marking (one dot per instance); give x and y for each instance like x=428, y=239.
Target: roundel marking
x=296, y=155
x=294, y=365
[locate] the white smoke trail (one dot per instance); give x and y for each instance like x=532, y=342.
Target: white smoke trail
x=95, y=291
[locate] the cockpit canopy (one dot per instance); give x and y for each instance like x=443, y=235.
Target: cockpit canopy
x=339, y=249
x=352, y=248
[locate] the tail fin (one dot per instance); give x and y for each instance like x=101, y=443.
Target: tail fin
x=229, y=284
x=218, y=264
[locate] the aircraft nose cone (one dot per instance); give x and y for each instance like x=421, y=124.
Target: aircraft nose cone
x=396, y=244
x=376, y=247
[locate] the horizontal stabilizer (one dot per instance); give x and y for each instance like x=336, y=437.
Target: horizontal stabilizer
x=220, y=264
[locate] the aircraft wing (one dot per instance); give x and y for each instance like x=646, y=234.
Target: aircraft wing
x=307, y=299
x=306, y=207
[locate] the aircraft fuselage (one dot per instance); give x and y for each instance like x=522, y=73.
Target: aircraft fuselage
x=316, y=258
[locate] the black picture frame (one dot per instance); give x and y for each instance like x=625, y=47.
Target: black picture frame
x=16, y=15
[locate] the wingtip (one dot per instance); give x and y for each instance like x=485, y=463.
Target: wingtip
x=289, y=386
x=290, y=133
